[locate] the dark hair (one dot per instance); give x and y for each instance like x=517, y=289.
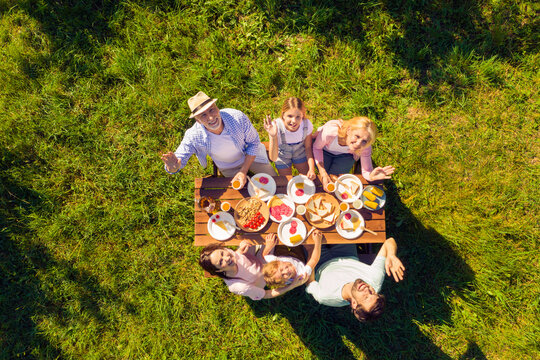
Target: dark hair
x=365, y=316
x=206, y=264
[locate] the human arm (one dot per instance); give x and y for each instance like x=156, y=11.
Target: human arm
x=244, y=247
x=172, y=163
x=299, y=280
x=316, y=254
x=393, y=266
x=271, y=242
x=271, y=128
x=325, y=135
x=308, y=143
x=371, y=174
x=242, y=173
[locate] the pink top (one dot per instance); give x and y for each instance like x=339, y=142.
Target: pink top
x=326, y=134
x=249, y=280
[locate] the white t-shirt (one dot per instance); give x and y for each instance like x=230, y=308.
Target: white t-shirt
x=223, y=151
x=299, y=266
x=336, y=149
x=296, y=136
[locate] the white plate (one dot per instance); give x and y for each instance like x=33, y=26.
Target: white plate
x=380, y=200
x=309, y=189
x=218, y=233
x=350, y=234
x=284, y=235
x=287, y=201
x=270, y=187
x=347, y=179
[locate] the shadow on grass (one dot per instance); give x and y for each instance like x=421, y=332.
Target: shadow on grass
x=434, y=40
x=434, y=273
x=34, y=286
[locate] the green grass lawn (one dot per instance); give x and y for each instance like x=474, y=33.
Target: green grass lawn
x=96, y=254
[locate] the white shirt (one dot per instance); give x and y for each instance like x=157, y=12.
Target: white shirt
x=296, y=136
x=299, y=266
x=223, y=151
x=336, y=149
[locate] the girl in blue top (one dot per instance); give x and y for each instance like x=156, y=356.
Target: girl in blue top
x=290, y=139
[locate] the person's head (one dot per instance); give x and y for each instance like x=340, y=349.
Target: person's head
x=358, y=133
x=205, y=111
x=277, y=273
x=293, y=112
x=217, y=259
x=366, y=304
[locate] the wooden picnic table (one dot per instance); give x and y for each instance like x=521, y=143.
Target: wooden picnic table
x=220, y=188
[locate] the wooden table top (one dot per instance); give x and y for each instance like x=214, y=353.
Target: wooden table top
x=219, y=188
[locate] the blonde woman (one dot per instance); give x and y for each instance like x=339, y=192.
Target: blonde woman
x=340, y=143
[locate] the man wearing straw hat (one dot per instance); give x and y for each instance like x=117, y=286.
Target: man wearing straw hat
x=226, y=135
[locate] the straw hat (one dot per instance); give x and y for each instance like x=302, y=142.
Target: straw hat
x=199, y=103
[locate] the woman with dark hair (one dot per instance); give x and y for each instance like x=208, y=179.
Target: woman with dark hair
x=241, y=270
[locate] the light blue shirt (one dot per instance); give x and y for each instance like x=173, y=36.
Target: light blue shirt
x=334, y=274
x=236, y=124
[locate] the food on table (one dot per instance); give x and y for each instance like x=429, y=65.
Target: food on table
x=299, y=192
x=322, y=210
x=263, y=180
x=345, y=195
x=278, y=209
x=354, y=187
x=222, y=225
x=295, y=239
x=370, y=204
x=330, y=187
x=249, y=215
x=350, y=222
x=369, y=195
x=236, y=184
x=299, y=185
x=377, y=191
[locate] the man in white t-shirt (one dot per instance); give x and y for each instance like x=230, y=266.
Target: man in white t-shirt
x=226, y=135
x=343, y=280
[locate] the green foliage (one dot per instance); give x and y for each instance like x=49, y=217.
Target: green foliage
x=96, y=254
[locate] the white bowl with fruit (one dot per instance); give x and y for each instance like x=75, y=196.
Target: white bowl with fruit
x=292, y=232
x=350, y=224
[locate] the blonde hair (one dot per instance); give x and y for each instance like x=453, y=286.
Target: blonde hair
x=268, y=270
x=358, y=122
x=293, y=103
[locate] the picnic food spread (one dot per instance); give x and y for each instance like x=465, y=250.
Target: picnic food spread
x=251, y=214
x=279, y=210
x=322, y=210
x=373, y=197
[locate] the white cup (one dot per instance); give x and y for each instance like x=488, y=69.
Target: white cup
x=236, y=184
x=331, y=187
x=225, y=206
x=300, y=209
x=357, y=204
x=343, y=206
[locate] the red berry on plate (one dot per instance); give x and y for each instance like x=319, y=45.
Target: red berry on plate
x=217, y=216
x=344, y=196
x=213, y=220
x=348, y=216
x=263, y=180
x=299, y=192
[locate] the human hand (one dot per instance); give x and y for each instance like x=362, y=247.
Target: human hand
x=271, y=240
x=171, y=161
x=240, y=176
x=394, y=267
x=244, y=247
x=381, y=173
x=299, y=280
x=270, y=126
x=311, y=174
x=325, y=181
x=317, y=237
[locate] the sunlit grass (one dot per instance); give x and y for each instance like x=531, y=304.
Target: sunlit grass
x=96, y=255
